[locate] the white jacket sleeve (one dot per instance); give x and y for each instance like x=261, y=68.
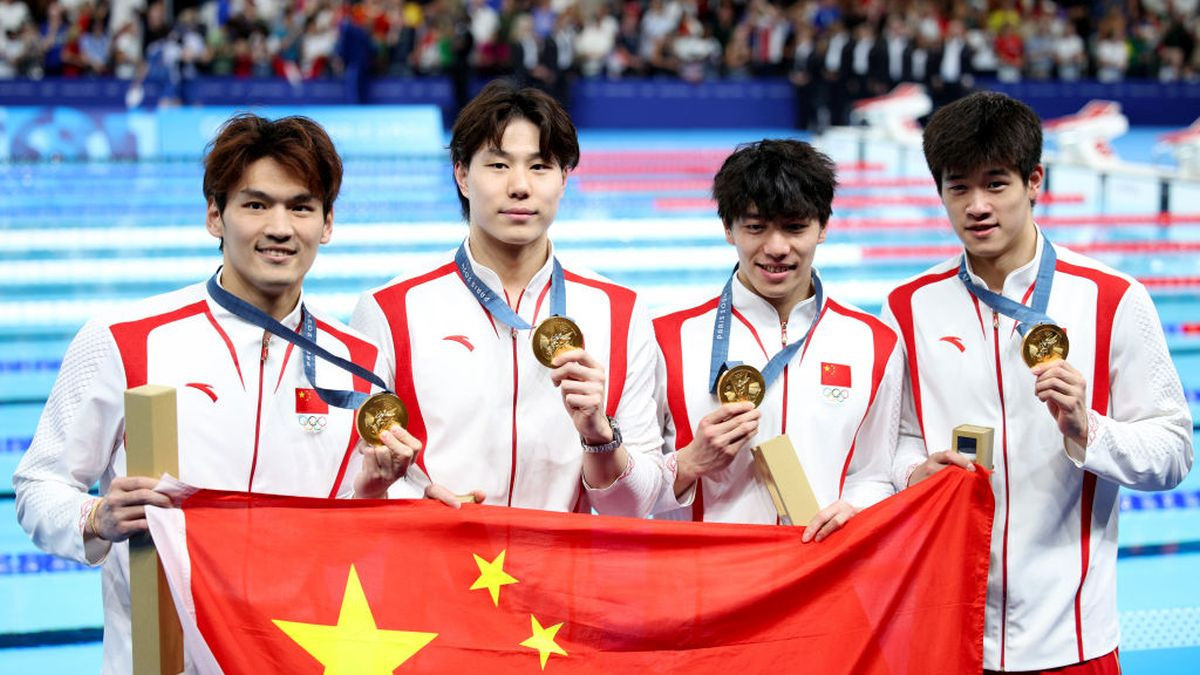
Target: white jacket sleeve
x=1146, y=441
x=667, y=501
x=910, y=442
x=638, y=490
x=74, y=446
x=368, y=319
x=869, y=478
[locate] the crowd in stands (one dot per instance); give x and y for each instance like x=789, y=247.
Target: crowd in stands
x=834, y=51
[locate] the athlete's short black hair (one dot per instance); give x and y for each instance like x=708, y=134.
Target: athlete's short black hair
x=775, y=178
x=983, y=129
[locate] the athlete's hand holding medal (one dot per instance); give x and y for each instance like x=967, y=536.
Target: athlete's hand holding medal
x=1044, y=348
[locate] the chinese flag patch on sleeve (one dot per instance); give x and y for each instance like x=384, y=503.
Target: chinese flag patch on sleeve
x=307, y=402
x=835, y=374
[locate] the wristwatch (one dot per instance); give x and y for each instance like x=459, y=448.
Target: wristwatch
x=606, y=447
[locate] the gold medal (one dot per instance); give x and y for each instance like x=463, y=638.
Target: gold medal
x=553, y=336
x=1044, y=343
x=741, y=383
x=378, y=413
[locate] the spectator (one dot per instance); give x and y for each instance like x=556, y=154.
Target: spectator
x=1010, y=52
x=835, y=73
x=485, y=35
x=895, y=50
x=768, y=33
x=94, y=48
x=626, y=57
x=805, y=69
x=951, y=74
x=127, y=49
x=317, y=44
x=597, y=39
x=660, y=21
x=54, y=39
x=193, y=48
x=1039, y=50
x=13, y=15
x=696, y=51
x=1111, y=52
x=1069, y=52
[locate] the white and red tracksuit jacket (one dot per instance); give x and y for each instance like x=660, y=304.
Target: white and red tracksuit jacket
x=1052, y=581
x=485, y=409
x=237, y=392
x=838, y=401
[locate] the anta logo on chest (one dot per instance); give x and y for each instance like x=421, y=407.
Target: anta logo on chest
x=836, y=382
x=955, y=341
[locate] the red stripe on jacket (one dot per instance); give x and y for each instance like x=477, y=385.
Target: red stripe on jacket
x=1110, y=289
x=393, y=300
x=900, y=302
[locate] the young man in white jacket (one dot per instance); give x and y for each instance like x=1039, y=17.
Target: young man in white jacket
x=568, y=433
x=249, y=413
x=832, y=372
x=1088, y=403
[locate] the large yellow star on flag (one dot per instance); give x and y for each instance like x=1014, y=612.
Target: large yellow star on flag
x=492, y=576
x=543, y=640
x=355, y=646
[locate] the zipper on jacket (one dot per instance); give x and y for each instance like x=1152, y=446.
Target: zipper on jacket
x=783, y=343
x=262, y=364
x=512, y=475
x=1004, y=448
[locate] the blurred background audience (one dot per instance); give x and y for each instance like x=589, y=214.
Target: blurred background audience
x=834, y=52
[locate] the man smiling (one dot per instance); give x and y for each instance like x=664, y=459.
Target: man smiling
x=251, y=416
x=502, y=416
x=1102, y=409
x=831, y=371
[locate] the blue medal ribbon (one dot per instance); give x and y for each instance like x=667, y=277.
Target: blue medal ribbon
x=498, y=308
x=306, y=340
x=721, y=329
x=1026, y=316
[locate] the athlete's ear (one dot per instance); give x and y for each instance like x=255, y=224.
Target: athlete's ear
x=327, y=229
x=821, y=235
x=460, y=177
x=213, y=222
x=1035, y=183
x=729, y=233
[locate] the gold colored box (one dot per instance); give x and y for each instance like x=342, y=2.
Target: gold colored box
x=975, y=442
x=778, y=467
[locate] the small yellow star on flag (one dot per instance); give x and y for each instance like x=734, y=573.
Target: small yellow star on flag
x=355, y=646
x=492, y=576
x=543, y=640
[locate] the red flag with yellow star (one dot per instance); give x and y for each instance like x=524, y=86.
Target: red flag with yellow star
x=295, y=585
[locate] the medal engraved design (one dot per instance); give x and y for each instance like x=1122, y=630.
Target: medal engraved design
x=741, y=383
x=555, y=335
x=378, y=413
x=1044, y=343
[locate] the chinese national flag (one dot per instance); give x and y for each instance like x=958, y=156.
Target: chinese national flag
x=835, y=374
x=309, y=403
x=296, y=585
